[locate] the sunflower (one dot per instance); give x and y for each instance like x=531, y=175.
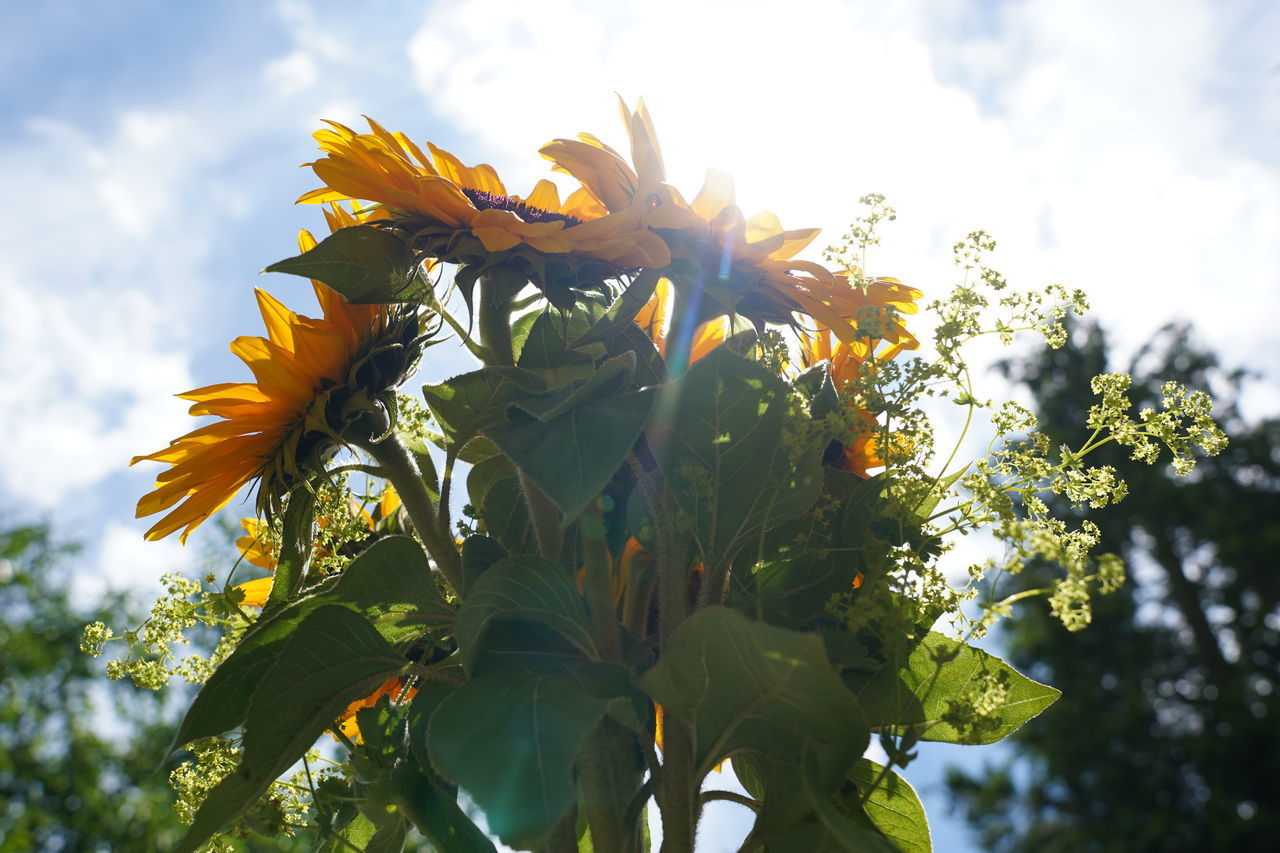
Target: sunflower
x=850, y=361
x=307, y=373
x=395, y=689
x=747, y=266
x=440, y=196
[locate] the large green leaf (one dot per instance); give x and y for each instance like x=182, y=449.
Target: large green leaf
x=743, y=685
x=466, y=404
x=803, y=562
x=511, y=741
x=544, y=347
x=940, y=678
x=573, y=455
x=334, y=657
x=478, y=554
x=494, y=488
x=433, y=808
x=892, y=806
x=721, y=439
x=847, y=828
x=364, y=263
x=524, y=588
x=390, y=584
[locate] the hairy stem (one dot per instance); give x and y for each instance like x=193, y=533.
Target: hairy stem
x=679, y=801
x=495, y=323
x=396, y=461
x=599, y=585
x=609, y=768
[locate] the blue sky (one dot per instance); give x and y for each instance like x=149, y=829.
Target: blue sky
x=151, y=150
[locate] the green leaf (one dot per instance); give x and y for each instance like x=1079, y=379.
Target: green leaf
x=892, y=806
x=333, y=658
x=805, y=561
x=511, y=741
x=421, y=453
x=494, y=488
x=389, y=838
x=358, y=833
x=844, y=831
x=720, y=438
x=744, y=685
x=544, y=351
x=465, y=404
x=366, y=264
x=478, y=554
x=574, y=455
x=433, y=807
x=940, y=676
x=624, y=309
x=609, y=378
x=522, y=588
x=650, y=368
x=390, y=583
x=816, y=385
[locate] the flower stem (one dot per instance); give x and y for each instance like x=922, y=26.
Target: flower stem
x=679, y=802
x=494, y=318
x=396, y=461
x=609, y=769
x=599, y=585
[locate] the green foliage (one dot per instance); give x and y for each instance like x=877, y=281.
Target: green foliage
x=364, y=263
x=947, y=691
x=722, y=439
x=892, y=805
x=525, y=588
x=333, y=657
x=679, y=550
x=743, y=685
x=67, y=780
x=511, y=740
x=1168, y=697
x=395, y=563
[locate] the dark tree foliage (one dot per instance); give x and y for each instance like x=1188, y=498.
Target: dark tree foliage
x=80, y=757
x=1166, y=737
x=84, y=761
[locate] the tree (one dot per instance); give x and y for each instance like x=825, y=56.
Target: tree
x=1168, y=738
x=65, y=785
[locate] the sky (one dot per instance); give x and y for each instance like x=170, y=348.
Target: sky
x=152, y=152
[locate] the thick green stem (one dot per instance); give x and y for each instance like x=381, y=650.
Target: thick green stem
x=679, y=801
x=609, y=767
x=673, y=570
x=396, y=461
x=494, y=321
x=599, y=586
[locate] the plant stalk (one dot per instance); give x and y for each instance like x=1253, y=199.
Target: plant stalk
x=396, y=461
x=609, y=769
x=494, y=321
x=679, y=801
x=599, y=585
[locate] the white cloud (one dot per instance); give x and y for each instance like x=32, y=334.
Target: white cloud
x=86, y=385
x=1088, y=142
x=127, y=562
x=89, y=349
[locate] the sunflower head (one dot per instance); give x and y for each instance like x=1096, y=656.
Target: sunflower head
x=317, y=382
x=465, y=215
